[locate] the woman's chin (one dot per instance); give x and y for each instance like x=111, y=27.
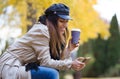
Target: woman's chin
x=62, y=32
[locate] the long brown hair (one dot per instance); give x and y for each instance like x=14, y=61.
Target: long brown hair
x=57, y=42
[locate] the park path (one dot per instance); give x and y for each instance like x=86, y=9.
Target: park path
x=103, y=78
x=68, y=76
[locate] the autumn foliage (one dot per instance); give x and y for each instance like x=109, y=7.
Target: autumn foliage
x=82, y=12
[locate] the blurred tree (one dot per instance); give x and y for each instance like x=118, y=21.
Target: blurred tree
x=82, y=12
x=114, y=42
x=106, y=52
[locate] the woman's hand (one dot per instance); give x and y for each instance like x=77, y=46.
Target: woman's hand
x=84, y=59
x=77, y=65
x=72, y=46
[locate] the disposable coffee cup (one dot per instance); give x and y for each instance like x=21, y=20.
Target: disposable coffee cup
x=75, y=33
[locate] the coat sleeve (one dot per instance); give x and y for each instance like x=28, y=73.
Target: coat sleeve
x=41, y=47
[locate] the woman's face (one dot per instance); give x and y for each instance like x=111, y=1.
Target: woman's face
x=62, y=25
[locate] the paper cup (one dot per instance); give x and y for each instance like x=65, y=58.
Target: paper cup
x=75, y=33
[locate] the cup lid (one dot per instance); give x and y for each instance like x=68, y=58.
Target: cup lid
x=76, y=29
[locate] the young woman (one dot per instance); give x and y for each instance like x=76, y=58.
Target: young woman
x=43, y=50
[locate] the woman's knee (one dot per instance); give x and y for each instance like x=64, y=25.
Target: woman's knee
x=52, y=73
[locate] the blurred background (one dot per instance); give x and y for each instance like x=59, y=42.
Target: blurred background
x=100, y=32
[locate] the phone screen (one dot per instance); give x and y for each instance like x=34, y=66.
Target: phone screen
x=84, y=60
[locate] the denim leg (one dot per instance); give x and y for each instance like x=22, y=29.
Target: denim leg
x=45, y=73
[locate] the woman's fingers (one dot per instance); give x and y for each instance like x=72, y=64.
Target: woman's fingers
x=77, y=65
x=72, y=46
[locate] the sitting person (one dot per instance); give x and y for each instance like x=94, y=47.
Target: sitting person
x=43, y=50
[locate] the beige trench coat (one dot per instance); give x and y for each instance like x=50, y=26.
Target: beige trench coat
x=33, y=46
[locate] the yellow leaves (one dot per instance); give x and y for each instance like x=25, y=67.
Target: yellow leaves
x=22, y=9
x=93, y=1
x=82, y=12
x=10, y=2
x=104, y=32
x=85, y=18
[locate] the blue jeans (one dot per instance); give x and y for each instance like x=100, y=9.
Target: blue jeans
x=45, y=73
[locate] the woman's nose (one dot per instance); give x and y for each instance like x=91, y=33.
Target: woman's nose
x=65, y=24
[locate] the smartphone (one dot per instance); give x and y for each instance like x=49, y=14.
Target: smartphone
x=86, y=59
